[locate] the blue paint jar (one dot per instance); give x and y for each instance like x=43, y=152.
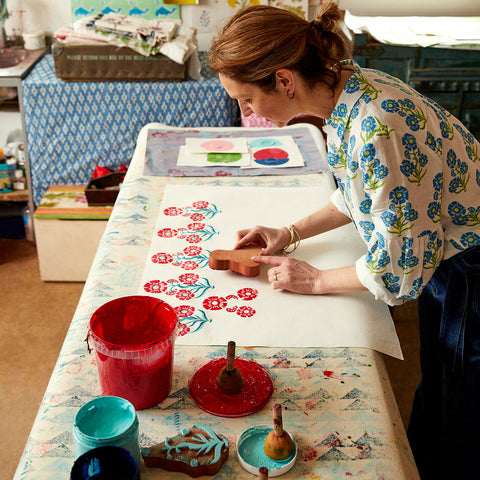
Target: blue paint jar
x=106, y=421
x=105, y=463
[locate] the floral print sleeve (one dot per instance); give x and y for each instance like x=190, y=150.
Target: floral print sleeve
x=410, y=177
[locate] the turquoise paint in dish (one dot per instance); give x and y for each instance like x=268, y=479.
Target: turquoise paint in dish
x=106, y=421
x=250, y=450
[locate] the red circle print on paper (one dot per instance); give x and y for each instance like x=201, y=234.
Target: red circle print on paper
x=217, y=145
x=271, y=156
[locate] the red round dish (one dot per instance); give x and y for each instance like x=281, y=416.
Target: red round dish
x=257, y=389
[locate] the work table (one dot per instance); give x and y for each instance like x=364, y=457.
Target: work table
x=338, y=402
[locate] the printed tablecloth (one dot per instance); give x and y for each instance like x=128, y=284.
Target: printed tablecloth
x=74, y=126
x=338, y=403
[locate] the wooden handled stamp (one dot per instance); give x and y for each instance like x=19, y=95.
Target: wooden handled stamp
x=230, y=379
x=239, y=261
x=278, y=443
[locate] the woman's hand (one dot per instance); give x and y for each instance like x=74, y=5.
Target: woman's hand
x=300, y=277
x=271, y=239
x=292, y=275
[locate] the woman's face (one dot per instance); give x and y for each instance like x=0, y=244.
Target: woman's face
x=273, y=106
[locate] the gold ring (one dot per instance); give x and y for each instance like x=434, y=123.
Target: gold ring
x=275, y=277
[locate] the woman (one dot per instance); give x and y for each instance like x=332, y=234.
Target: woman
x=409, y=178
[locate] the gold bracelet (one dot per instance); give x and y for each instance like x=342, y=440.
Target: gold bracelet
x=294, y=239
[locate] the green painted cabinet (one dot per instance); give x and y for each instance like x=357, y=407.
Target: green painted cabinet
x=449, y=76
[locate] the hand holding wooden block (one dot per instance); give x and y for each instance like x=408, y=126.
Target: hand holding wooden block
x=239, y=261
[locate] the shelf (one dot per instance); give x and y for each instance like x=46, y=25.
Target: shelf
x=15, y=196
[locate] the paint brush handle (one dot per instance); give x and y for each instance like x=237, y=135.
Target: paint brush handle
x=277, y=419
x=230, y=356
x=263, y=473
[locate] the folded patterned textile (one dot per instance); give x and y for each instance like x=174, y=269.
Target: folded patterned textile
x=181, y=45
x=154, y=32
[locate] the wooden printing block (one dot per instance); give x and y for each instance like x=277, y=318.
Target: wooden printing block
x=239, y=261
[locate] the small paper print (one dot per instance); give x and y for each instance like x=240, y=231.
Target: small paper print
x=212, y=159
x=270, y=152
x=275, y=152
x=216, y=145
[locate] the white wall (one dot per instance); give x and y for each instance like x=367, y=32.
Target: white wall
x=48, y=15
x=9, y=121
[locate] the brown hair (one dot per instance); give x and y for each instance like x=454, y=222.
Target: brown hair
x=259, y=40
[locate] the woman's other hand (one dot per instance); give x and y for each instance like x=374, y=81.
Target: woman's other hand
x=271, y=240
x=300, y=277
x=293, y=275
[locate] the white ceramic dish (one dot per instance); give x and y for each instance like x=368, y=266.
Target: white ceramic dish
x=251, y=455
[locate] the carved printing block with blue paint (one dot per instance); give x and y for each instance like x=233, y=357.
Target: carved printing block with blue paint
x=196, y=451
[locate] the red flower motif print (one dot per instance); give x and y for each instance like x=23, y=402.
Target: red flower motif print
x=196, y=226
x=182, y=232
x=245, y=312
x=247, y=294
x=214, y=303
x=192, y=250
x=183, y=311
x=171, y=290
x=189, y=265
x=188, y=278
x=200, y=204
x=222, y=173
x=184, y=294
x=197, y=217
x=155, y=286
x=167, y=233
x=234, y=307
x=193, y=238
x=172, y=211
x=162, y=258
x=183, y=329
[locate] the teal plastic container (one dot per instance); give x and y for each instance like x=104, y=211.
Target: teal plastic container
x=5, y=180
x=106, y=421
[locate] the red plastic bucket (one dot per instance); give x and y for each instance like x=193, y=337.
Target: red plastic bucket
x=134, y=339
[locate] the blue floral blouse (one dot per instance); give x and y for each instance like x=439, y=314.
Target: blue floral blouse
x=409, y=178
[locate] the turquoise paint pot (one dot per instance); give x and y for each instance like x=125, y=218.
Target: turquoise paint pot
x=106, y=421
x=105, y=463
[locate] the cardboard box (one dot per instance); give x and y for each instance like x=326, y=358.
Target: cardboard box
x=104, y=190
x=67, y=233
x=103, y=63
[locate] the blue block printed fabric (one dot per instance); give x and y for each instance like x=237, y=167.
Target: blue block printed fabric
x=74, y=126
x=409, y=177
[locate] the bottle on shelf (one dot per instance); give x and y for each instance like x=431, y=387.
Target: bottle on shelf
x=21, y=158
x=19, y=181
x=5, y=180
x=28, y=223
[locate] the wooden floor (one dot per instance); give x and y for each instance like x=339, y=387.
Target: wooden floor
x=35, y=316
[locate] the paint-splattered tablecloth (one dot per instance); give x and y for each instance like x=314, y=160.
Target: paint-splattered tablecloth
x=338, y=403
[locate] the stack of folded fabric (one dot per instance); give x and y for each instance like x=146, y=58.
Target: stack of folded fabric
x=147, y=37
